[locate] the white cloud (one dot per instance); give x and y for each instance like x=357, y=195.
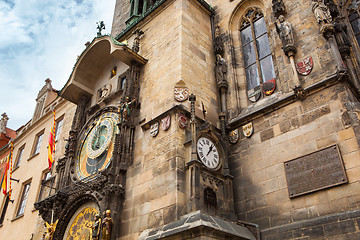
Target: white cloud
x=41, y=39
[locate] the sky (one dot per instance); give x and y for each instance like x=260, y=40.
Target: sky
x=41, y=39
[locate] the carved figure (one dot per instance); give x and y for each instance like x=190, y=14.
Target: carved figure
x=100, y=27
x=96, y=228
x=70, y=142
x=321, y=11
x=104, y=92
x=48, y=235
x=220, y=70
x=107, y=223
x=285, y=31
x=124, y=110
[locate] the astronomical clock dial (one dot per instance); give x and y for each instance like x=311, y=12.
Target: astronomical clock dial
x=208, y=152
x=95, y=151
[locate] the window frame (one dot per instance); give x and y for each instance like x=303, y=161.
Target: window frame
x=44, y=180
x=19, y=155
x=57, y=133
x=250, y=16
x=36, y=148
x=20, y=210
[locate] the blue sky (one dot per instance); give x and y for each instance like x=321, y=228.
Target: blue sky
x=41, y=39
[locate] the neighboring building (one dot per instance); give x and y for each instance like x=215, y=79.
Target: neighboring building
x=5, y=133
x=218, y=119
x=19, y=218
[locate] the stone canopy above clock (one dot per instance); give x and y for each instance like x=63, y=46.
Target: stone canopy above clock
x=94, y=66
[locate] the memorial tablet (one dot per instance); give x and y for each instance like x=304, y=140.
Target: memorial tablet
x=315, y=171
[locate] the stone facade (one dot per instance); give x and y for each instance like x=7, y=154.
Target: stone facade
x=157, y=185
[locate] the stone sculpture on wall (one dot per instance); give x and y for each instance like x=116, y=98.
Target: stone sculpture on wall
x=321, y=11
x=220, y=71
x=285, y=31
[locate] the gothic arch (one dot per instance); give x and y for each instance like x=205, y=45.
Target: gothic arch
x=68, y=211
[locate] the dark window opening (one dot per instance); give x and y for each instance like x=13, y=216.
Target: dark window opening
x=210, y=200
x=4, y=209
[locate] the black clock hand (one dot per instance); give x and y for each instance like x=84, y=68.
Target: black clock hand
x=211, y=147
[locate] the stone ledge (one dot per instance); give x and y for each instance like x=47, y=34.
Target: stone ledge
x=199, y=224
x=311, y=223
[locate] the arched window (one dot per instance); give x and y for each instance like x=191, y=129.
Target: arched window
x=354, y=19
x=258, y=63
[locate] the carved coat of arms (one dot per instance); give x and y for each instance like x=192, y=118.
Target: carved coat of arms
x=181, y=94
x=183, y=121
x=254, y=94
x=269, y=87
x=305, y=66
x=165, y=123
x=248, y=130
x=154, y=129
x=234, y=136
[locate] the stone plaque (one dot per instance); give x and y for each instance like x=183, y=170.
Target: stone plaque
x=315, y=171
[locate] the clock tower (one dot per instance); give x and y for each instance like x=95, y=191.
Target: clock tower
x=140, y=155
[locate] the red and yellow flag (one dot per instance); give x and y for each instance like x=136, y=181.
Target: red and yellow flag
x=7, y=167
x=51, y=147
x=5, y=178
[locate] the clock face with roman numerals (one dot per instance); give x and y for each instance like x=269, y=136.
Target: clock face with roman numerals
x=208, y=152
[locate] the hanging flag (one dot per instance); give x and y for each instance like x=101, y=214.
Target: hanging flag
x=7, y=167
x=51, y=147
x=11, y=157
x=5, y=178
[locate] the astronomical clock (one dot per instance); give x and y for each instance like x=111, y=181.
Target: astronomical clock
x=97, y=145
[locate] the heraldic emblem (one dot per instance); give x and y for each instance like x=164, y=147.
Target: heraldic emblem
x=305, y=66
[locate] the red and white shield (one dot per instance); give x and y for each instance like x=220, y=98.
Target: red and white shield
x=181, y=94
x=165, y=123
x=305, y=66
x=183, y=121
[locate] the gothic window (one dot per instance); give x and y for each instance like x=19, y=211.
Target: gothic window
x=354, y=19
x=24, y=196
x=58, y=127
x=210, y=200
x=258, y=63
x=37, y=145
x=19, y=156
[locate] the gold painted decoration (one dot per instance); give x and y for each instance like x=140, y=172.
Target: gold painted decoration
x=95, y=151
x=248, y=130
x=81, y=226
x=234, y=136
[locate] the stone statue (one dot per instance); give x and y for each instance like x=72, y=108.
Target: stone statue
x=107, y=223
x=100, y=27
x=220, y=70
x=96, y=228
x=104, y=92
x=124, y=110
x=285, y=31
x=321, y=11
